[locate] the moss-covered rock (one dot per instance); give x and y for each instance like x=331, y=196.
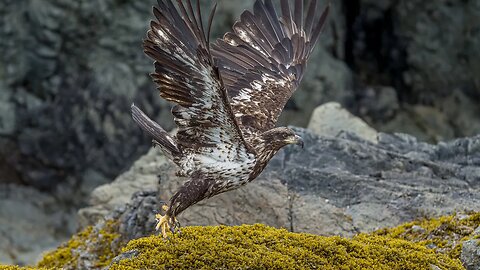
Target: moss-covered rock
x=95, y=246
x=262, y=247
x=14, y=267
x=424, y=244
x=444, y=234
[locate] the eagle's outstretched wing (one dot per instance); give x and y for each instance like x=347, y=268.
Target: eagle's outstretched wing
x=263, y=61
x=185, y=75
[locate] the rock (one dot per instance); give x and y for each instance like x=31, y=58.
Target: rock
x=330, y=119
x=342, y=185
x=261, y=247
x=107, y=244
x=141, y=176
x=7, y=117
x=30, y=223
x=452, y=59
x=470, y=255
x=71, y=86
x=453, y=115
x=427, y=123
x=396, y=44
x=378, y=104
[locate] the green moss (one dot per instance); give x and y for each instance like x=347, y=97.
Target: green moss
x=444, y=234
x=262, y=247
x=414, y=245
x=14, y=267
x=65, y=255
x=96, y=241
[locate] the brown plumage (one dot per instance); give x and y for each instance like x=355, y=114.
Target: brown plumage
x=228, y=95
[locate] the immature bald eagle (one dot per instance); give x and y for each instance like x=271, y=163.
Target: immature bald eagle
x=228, y=95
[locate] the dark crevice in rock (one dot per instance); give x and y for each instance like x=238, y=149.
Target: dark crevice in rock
x=373, y=49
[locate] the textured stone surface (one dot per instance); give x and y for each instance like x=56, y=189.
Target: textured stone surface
x=342, y=185
x=30, y=223
x=141, y=176
x=470, y=255
x=438, y=62
x=330, y=119
x=426, y=51
x=72, y=70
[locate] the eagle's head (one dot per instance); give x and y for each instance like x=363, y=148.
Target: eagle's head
x=281, y=136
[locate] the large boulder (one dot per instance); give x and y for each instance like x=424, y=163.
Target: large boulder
x=330, y=119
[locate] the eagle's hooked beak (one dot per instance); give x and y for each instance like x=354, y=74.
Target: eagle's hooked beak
x=299, y=140
x=296, y=140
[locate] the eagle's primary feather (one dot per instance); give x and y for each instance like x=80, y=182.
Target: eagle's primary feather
x=227, y=97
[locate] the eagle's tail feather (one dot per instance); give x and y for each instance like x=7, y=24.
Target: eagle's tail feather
x=160, y=136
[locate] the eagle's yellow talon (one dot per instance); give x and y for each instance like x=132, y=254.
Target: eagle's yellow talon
x=165, y=222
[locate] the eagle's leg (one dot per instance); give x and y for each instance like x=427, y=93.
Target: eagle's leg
x=165, y=222
x=191, y=192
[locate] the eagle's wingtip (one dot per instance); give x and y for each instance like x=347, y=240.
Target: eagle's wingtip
x=133, y=107
x=135, y=111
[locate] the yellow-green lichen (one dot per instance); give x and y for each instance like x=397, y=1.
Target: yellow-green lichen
x=262, y=247
x=96, y=241
x=14, y=267
x=414, y=245
x=65, y=255
x=444, y=234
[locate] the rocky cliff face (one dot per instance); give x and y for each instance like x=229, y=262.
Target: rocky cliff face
x=426, y=52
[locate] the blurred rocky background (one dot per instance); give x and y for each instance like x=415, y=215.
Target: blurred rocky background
x=69, y=71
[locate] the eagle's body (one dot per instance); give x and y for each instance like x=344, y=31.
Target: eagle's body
x=228, y=95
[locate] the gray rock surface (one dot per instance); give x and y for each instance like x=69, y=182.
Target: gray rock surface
x=430, y=47
x=330, y=119
x=428, y=52
x=438, y=62
x=342, y=185
x=69, y=72
x=31, y=222
x=142, y=176
x=470, y=255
